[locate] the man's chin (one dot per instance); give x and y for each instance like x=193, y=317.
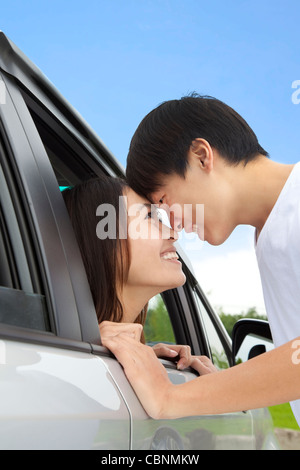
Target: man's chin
x=215, y=239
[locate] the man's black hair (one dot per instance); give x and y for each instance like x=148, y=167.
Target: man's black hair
x=162, y=140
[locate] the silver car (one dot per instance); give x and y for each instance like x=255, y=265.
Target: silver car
x=60, y=389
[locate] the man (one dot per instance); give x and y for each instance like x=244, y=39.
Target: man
x=198, y=150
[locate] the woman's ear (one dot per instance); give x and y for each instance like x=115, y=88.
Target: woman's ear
x=202, y=155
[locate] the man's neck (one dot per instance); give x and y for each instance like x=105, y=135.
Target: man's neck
x=261, y=182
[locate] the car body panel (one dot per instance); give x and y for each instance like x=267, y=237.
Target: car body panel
x=59, y=399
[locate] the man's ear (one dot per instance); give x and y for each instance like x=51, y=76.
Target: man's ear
x=201, y=154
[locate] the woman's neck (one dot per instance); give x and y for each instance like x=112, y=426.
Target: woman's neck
x=133, y=301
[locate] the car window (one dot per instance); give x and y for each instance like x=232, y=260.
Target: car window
x=217, y=349
x=20, y=304
x=158, y=327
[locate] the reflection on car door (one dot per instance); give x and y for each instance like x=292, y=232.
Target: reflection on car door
x=59, y=399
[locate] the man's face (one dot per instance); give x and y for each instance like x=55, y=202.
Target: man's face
x=183, y=196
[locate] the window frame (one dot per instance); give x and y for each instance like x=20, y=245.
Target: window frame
x=216, y=324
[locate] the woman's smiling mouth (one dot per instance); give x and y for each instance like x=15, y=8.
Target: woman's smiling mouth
x=170, y=256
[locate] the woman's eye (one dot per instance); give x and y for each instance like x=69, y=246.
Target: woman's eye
x=155, y=215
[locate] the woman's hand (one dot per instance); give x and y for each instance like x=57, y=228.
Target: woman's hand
x=201, y=364
x=109, y=329
x=172, y=351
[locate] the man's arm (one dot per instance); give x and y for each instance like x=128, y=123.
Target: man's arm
x=266, y=380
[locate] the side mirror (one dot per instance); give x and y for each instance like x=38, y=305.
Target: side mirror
x=250, y=338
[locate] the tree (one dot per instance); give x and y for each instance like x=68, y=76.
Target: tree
x=158, y=326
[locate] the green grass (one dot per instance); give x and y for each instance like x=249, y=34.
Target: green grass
x=283, y=417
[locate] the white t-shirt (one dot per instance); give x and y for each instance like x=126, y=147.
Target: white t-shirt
x=278, y=256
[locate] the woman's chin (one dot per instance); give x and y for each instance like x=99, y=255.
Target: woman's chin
x=174, y=282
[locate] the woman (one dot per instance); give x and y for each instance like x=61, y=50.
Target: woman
x=129, y=257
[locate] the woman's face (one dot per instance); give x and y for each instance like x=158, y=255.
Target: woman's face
x=154, y=263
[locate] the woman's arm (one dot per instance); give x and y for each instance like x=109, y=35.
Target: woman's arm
x=266, y=380
x=181, y=353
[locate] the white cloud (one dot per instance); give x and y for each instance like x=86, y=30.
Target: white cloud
x=231, y=280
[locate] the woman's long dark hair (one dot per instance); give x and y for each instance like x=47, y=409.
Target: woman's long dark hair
x=106, y=260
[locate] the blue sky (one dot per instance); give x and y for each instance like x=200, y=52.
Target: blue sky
x=115, y=60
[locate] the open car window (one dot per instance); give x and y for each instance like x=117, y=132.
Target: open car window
x=158, y=326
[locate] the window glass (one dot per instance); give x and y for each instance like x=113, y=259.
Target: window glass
x=217, y=350
x=158, y=326
x=22, y=309
x=70, y=162
x=19, y=304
